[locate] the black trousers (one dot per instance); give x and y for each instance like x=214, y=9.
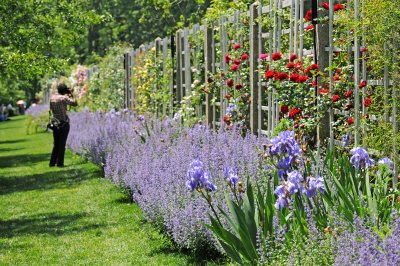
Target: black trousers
x=60, y=139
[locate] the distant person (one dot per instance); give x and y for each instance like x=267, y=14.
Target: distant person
x=3, y=113
x=10, y=110
x=58, y=107
x=21, y=109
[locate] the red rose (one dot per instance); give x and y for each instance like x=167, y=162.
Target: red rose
x=338, y=71
x=236, y=46
x=362, y=84
x=222, y=74
x=236, y=62
x=348, y=93
x=269, y=74
x=290, y=65
x=227, y=118
x=229, y=82
x=308, y=15
x=244, y=57
x=227, y=58
x=239, y=86
x=364, y=49
x=294, y=112
x=284, y=108
x=336, y=78
x=234, y=67
x=294, y=77
x=210, y=80
x=350, y=121
x=228, y=96
x=367, y=102
x=323, y=91
x=335, y=98
x=309, y=27
x=298, y=66
x=293, y=57
x=314, y=83
x=302, y=79
x=312, y=69
x=338, y=7
x=276, y=56
x=282, y=76
x=325, y=5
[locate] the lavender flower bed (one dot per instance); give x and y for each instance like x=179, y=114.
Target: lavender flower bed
x=38, y=109
x=154, y=166
x=152, y=159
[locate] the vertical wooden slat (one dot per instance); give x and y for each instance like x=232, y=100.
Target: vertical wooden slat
x=331, y=117
x=356, y=78
x=255, y=127
x=126, y=79
x=364, y=65
x=179, y=87
x=208, y=69
x=300, y=52
x=270, y=51
x=158, y=47
x=395, y=85
x=188, y=69
x=296, y=26
x=165, y=70
x=260, y=112
x=385, y=86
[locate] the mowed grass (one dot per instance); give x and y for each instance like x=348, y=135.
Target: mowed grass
x=71, y=215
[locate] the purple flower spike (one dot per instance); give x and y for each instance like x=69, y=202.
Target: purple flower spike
x=360, y=158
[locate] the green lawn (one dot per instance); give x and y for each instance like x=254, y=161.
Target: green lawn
x=71, y=215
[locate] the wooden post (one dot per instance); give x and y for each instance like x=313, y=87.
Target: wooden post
x=254, y=86
x=179, y=86
x=186, y=59
x=126, y=67
x=208, y=36
x=356, y=79
x=322, y=39
x=164, y=69
x=157, y=54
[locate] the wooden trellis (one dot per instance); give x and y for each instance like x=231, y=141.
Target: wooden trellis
x=264, y=109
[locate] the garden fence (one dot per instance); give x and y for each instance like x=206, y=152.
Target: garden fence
x=198, y=53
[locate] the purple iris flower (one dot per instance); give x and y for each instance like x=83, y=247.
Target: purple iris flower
x=281, y=202
x=198, y=178
x=285, y=144
x=314, y=184
x=360, y=158
x=280, y=191
x=230, y=175
x=386, y=161
x=346, y=139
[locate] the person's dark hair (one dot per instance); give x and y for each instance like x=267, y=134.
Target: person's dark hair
x=62, y=89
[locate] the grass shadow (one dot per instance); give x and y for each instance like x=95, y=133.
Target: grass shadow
x=49, y=180
x=9, y=149
x=13, y=141
x=49, y=223
x=23, y=159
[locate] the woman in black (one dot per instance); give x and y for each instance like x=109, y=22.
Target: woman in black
x=58, y=106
